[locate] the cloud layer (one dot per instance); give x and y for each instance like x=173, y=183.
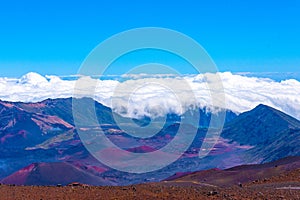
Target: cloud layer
x=154, y=96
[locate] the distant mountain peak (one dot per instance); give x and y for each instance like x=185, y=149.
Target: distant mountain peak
x=259, y=125
x=32, y=78
x=262, y=106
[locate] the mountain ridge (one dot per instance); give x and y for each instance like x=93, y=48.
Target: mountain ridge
x=261, y=135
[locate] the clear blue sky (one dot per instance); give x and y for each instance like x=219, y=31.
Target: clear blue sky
x=53, y=37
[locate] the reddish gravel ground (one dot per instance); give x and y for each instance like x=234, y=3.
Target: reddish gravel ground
x=282, y=186
x=143, y=192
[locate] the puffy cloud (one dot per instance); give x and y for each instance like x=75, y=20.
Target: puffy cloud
x=156, y=95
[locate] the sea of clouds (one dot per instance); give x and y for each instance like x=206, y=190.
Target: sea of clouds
x=154, y=95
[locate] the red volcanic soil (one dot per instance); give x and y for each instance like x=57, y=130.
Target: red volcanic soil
x=273, y=188
x=141, y=149
x=240, y=174
x=47, y=119
x=52, y=174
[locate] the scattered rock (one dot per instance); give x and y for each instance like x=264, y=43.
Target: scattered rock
x=77, y=184
x=265, y=180
x=212, y=193
x=133, y=188
x=74, y=184
x=225, y=195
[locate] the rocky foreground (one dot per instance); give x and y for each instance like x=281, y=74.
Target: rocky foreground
x=283, y=186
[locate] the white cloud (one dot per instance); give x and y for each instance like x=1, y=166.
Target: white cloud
x=158, y=95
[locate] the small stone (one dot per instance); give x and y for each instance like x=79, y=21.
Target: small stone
x=211, y=193
x=133, y=188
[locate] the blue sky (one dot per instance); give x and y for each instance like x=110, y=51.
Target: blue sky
x=54, y=37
